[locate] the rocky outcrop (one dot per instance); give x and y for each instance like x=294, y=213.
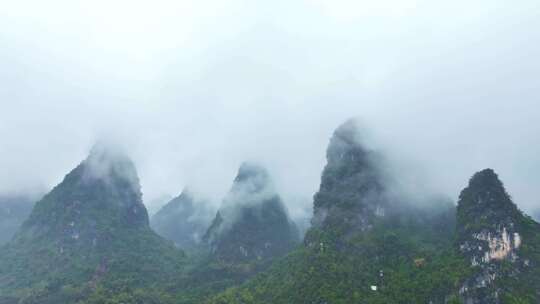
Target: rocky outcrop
x=500, y=245
x=490, y=236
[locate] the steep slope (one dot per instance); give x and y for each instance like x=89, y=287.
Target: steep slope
x=367, y=245
x=183, y=220
x=14, y=210
x=252, y=224
x=157, y=202
x=501, y=244
x=352, y=192
x=251, y=229
x=91, y=230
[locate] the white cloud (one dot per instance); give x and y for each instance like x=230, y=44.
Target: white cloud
x=194, y=88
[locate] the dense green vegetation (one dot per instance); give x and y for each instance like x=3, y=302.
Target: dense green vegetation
x=90, y=231
x=370, y=246
x=89, y=241
x=367, y=244
x=403, y=272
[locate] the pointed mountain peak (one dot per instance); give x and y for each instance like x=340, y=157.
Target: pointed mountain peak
x=491, y=229
x=182, y=203
x=186, y=195
x=251, y=178
x=183, y=220
x=485, y=197
x=249, y=170
x=103, y=190
x=252, y=186
x=352, y=187
x=349, y=130
x=106, y=161
x=486, y=178
x=93, y=219
x=348, y=139
x=107, y=151
x=253, y=222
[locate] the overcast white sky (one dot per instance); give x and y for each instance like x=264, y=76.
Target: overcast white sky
x=193, y=88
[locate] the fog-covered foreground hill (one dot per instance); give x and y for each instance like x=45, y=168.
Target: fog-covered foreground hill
x=89, y=241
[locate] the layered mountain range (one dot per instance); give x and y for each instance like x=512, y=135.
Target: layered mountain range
x=89, y=240
x=369, y=244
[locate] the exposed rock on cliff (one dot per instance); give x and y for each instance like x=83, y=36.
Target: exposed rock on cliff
x=491, y=232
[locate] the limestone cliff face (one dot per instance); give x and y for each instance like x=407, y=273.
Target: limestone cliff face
x=253, y=223
x=490, y=234
x=500, y=245
x=487, y=218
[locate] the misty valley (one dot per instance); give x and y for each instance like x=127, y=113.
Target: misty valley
x=369, y=240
